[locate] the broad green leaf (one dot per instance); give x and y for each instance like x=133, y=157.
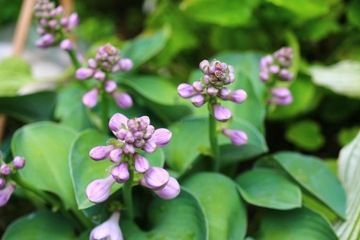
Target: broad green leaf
x=181, y=218
x=353, y=13
x=269, y=188
x=144, y=47
x=46, y=147
x=226, y=216
x=297, y=224
x=349, y=168
x=312, y=174
x=14, y=73
x=40, y=225
x=318, y=207
x=342, y=77
x=305, y=134
x=85, y=170
x=39, y=106
x=160, y=96
x=227, y=13
x=304, y=9
x=69, y=109
x=346, y=135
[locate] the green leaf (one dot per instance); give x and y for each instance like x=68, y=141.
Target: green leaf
x=313, y=175
x=39, y=106
x=40, y=225
x=144, y=47
x=349, y=168
x=14, y=73
x=181, y=218
x=85, y=170
x=269, y=188
x=353, y=13
x=228, y=13
x=297, y=224
x=46, y=147
x=346, y=135
x=305, y=134
x=69, y=109
x=226, y=216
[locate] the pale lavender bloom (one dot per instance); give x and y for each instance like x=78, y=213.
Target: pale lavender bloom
x=99, y=75
x=274, y=69
x=110, y=86
x=198, y=100
x=109, y=229
x=221, y=114
x=186, y=90
x=72, y=21
x=66, y=45
x=84, y=73
x=141, y=164
x=198, y=86
x=237, y=137
x=116, y=155
x=238, y=96
x=121, y=172
x=125, y=64
x=6, y=193
x=156, y=178
x=45, y=41
x=170, y=191
x=2, y=183
x=116, y=122
x=149, y=146
x=161, y=137
x=92, y=63
x=90, y=98
x=286, y=75
x=264, y=76
x=224, y=93
x=280, y=96
x=123, y=100
x=5, y=169
x=19, y=162
x=212, y=91
x=204, y=66
x=101, y=152
x=99, y=190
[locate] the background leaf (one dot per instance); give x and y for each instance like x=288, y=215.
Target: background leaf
x=225, y=216
x=46, y=147
x=269, y=188
x=40, y=225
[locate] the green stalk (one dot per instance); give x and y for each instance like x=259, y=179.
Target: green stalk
x=104, y=109
x=80, y=216
x=214, y=143
x=74, y=59
x=127, y=195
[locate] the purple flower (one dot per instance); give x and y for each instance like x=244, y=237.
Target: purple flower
x=221, y=114
x=108, y=230
x=161, y=137
x=170, y=191
x=110, y=86
x=186, y=90
x=237, y=137
x=19, y=162
x=99, y=190
x=99, y=75
x=125, y=64
x=121, y=172
x=90, y=98
x=238, y=96
x=5, y=169
x=198, y=100
x=6, y=193
x=116, y=155
x=280, y=96
x=66, y=45
x=123, y=100
x=141, y=164
x=156, y=178
x=2, y=183
x=101, y=152
x=84, y=73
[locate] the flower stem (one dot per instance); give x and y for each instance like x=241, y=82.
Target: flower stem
x=214, y=142
x=80, y=216
x=127, y=195
x=74, y=59
x=104, y=110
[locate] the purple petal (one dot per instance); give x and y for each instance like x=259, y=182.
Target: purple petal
x=121, y=172
x=123, y=100
x=100, y=152
x=66, y=45
x=237, y=137
x=116, y=155
x=6, y=193
x=238, y=96
x=19, y=162
x=156, y=178
x=141, y=163
x=109, y=229
x=84, y=73
x=110, y=86
x=149, y=146
x=116, y=122
x=125, y=64
x=186, y=90
x=221, y=114
x=99, y=190
x=170, y=191
x=161, y=137
x=198, y=100
x=90, y=98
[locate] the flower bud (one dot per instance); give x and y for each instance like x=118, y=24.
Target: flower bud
x=2, y=183
x=224, y=93
x=66, y=45
x=198, y=100
x=170, y=191
x=149, y=146
x=99, y=75
x=90, y=98
x=115, y=155
x=116, y=122
x=92, y=63
x=204, y=66
x=238, y=96
x=221, y=114
x=5, y=169
x=123, y=100
x=6, y=193
x=125, y=64
x=101, y=152
x=121, y=172
x=281, y=96
x=156, y=178
x=198, y=86
x=19, y=162
x=108, y=230
x=84, y=73
x=110, y=86
x=141, y=163
x=237, y=137
x=186, y=90
x=99, y=190
x=161, y=137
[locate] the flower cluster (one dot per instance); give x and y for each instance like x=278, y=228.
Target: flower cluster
x=107, y=60
x=53, y=25
x=132, y=135
x=108, y=230
x=6, y=190
x=212, y=86
x=274, y=68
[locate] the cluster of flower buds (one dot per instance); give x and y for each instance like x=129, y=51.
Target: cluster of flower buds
x=211, y=87
x=109, y=229
x=132, y=135
x=53, y=26
x=107, y=60
x=274, y=68
x=6, y=190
